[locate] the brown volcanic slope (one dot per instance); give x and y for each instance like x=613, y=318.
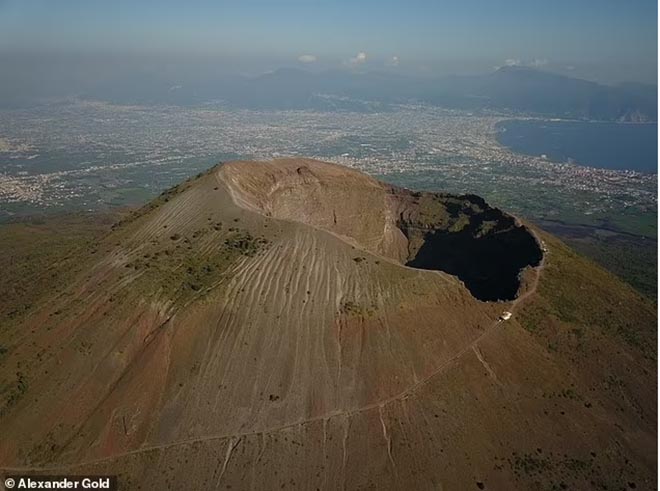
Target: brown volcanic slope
x=256, y=328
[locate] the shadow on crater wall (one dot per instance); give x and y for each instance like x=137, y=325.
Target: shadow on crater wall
x=489, y=261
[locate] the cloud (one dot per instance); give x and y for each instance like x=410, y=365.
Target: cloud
x=535, y=63
x=394, y=61
x=307, y=58
x=361, y=57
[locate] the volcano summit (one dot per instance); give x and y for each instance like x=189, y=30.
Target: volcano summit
x=297, y=324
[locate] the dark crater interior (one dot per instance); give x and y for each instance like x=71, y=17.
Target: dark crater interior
x=463, y=236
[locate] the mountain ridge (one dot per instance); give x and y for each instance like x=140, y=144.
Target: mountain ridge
x=527, y=90
x=520, y=89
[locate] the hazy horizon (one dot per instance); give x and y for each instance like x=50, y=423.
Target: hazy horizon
x=607, y=41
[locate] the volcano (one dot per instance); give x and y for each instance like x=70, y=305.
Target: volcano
x=295, y=324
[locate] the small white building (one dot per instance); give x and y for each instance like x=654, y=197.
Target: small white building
x=505, y=316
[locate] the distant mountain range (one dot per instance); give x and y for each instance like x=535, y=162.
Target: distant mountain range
x=519, y=89
x=529, y=90
x=511, y=88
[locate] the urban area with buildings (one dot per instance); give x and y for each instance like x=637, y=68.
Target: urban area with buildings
x=89, y=155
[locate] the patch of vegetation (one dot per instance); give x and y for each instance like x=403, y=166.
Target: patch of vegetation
x=557, y=472
x=245, y=243
x=45, y=450
x=179, y=270
x=353, y=309
x=14, y=392
x=635, y=261
x=37, y=257
x=568, y=393
x=487, y=227
x=459, y=224
x=432, y=211
x=530, y=464
x=583, y=297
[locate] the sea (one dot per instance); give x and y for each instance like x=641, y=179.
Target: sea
x=621, y=146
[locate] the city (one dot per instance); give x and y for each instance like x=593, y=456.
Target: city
x=91, y=155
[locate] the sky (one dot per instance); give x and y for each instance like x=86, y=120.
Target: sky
x=605, y=40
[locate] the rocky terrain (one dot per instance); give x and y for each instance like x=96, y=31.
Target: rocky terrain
x=297, y=324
